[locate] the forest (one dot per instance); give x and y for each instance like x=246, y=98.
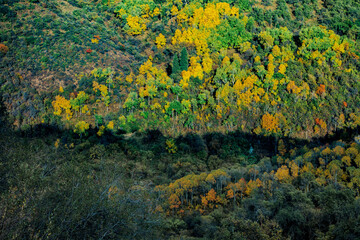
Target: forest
x=180, y=119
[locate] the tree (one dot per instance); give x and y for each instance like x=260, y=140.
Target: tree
x=135, y=25
x=184, y=60
x=61, y=103
x=81, y=127
x=175, y=65
x=160, y=41
x=266, y=39
x=3, y=48
x=270, y=123
x=79, y=101
x=283, y=174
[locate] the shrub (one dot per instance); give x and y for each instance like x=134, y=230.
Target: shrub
x=4, y=49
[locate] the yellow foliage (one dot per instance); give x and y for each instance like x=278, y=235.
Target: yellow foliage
x=266, y=39
x=338, y=150
x=195, y=36
x=171, y=146
x=110, y=125
x=282, y=68
x=208, y=18
x=129, y=78
x=346, y=160
x=81, y=127
x=207, y=63
x=352, y=152
x=326, y=152
x=146, y=67
x=56, y=144
x=101, y=131
x=251, y=185
x=174, y=10
x=210, y=178
x=95, y=40
x=292, y=88
x=243, y=47
x=294, y=169
x=270, y=123
x=60, y=104
x=155, y=106
x=85, y=109
x=136, y=25
x=160, y=41
x=195, y=70
x=276, y=51
x=156, y=12
x=282, y=174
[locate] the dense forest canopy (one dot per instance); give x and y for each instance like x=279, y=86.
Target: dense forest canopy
x=159, y=119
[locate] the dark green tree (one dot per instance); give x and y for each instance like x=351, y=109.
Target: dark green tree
x=184, y=60
x=175, y=65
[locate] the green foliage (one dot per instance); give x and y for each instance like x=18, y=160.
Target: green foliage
x=184, y=60
x=109, y=195
x=175, y=65
x=201, y=139
x=133, y=7
x=230, y=34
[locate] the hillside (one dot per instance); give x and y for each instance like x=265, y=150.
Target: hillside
x=57, y=186
x=251, y=66
x=159, y=119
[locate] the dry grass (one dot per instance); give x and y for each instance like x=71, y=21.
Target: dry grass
x=66, y=7
x=260, y=4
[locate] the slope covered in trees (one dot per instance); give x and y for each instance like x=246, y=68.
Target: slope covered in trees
x=186, y=67
x=57, y=185
x=234, y=119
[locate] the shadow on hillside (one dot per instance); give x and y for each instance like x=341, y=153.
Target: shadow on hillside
x=214, y=143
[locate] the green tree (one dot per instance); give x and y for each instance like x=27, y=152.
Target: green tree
x=184, y=60
x=81, y=127
x=175, y=65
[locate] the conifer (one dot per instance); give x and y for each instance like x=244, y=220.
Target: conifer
x=184, y=60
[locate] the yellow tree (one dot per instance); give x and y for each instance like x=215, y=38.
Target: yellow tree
x=266, y=39
x=282, y=174
x=81, y=127
x=160, y=41
x=60, y=104
x=135, y=25
x=174, y=202
x=270, y=123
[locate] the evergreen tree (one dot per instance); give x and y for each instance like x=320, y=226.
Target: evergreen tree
x=175, y=65
x=184, y=60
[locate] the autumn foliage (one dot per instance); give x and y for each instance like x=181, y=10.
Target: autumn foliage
x=3, y=48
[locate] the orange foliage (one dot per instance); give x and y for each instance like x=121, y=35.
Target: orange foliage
x=230, y=194
x=283, y=174
x=338, y=150
x=4, y=49
x=211, y=196
x=320, y=90
x=174, y=201
x=210, y=199
x=291, y=87
x=270, y=123
x=321, y=123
